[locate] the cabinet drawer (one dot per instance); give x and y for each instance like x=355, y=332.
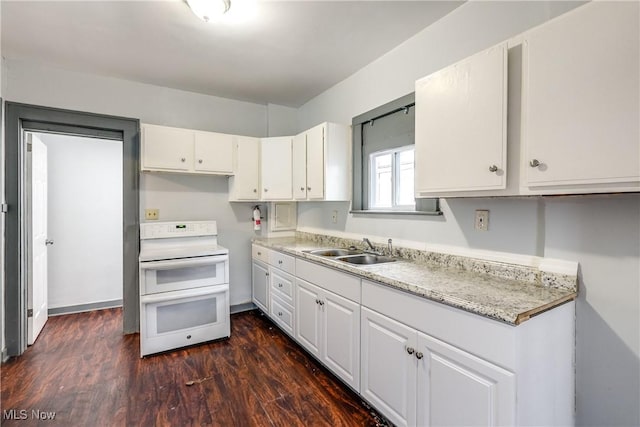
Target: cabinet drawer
x=260, y=253
x=343, y=284
x=282, y=261
x=282, y=285
x=282, y=314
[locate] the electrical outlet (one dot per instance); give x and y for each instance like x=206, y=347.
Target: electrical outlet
x=334, y=217
x=152, y=214
x=482, y=220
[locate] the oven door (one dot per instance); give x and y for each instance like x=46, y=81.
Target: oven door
x=187, y=273
x=178, y=319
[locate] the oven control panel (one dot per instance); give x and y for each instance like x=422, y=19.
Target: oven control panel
x=160, y=230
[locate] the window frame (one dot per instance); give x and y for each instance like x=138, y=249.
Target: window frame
x=360, y=182
x=395, y=179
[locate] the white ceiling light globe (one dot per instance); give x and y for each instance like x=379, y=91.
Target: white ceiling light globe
x=209, y=9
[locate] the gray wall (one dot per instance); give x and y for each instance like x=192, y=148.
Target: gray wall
x=602, y=233
x=178, y=197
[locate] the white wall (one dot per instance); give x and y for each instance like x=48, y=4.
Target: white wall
x=84, y=220
x=602, y=233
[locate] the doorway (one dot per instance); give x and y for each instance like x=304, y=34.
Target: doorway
x=20, y=119
x=82, y=216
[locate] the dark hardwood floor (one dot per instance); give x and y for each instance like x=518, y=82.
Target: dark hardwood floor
x=85, y=371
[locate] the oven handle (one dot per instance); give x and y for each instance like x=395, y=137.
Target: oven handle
x=180, y=263
x=172, y=296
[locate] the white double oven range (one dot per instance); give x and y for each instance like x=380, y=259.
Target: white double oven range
x=184, y=285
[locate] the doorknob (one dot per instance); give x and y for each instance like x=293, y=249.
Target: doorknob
x=48, y=242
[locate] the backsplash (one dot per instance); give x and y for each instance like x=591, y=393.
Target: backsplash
x=497, y=269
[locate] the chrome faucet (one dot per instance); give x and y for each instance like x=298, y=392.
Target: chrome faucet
x=373, y=249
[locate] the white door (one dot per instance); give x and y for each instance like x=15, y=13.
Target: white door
x=247, y=172
x=308, y=312
x=276, y=168
x=37, y=289
x=260, y=286
x=213, y=152
x=315, y=162
x=388, y=370
x=341, y=338
x=299, y=174
x=456, y=388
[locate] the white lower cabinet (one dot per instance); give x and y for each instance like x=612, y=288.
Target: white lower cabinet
x=328, y=326
x=260, y=285
x=415, y=379
x=418, y=362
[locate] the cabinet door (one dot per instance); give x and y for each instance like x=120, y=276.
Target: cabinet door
x=276, y=168
x=388, y=369
x=461, y=123
x=260, y=286
x=308, y=323
x=246, y=180
x=456, y=388
x=315, y=162
x=299, y=155
x=213, y=152
x=341, y=338
x=582, y=98
x=166, y=148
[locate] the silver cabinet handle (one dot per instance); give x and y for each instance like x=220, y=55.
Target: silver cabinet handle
x=308, y=188
x=199, y=160
x=255, y=190
x=534, y=163
x=266, y=189
x=317, y=301
x=48, y=242
x=280, y=313
x=410, y=350
x=183, y=160
x=321, y=302
x=266, y=274
x=280, y=261
x=419, y=355
x=301, y=188
x=493, y=168
x=279, y=285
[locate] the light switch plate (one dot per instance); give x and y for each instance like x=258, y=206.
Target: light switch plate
x=482, y=220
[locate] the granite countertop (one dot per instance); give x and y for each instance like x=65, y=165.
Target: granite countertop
x=523, y=293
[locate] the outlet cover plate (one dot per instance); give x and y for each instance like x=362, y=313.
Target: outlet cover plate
x=152, y=214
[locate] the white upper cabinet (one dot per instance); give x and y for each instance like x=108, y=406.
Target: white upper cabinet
x=581, y=128
x=276, y=168
x=321, y=157
x=245, y=183
x=299, y=157
x=168, y=149
x=213, y=152
x=461, y=124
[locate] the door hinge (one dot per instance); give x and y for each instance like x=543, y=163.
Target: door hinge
x=30, y=312
x=29, y=147
x=4, y=208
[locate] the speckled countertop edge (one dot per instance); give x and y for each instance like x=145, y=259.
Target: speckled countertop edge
x=461, y=283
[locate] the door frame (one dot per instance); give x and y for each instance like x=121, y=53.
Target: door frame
x=23, y=117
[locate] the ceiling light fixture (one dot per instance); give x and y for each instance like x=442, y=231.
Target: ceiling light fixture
x=209, y=9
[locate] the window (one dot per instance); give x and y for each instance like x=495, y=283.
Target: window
x=383, y=161
x=391, y=180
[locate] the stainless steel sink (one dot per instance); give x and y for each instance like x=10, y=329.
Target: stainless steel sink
x=366, y=259
x=335, y=252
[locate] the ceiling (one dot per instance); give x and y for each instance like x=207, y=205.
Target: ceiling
x=289, y=52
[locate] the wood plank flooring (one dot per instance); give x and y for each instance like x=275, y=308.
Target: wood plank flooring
x=85, y=371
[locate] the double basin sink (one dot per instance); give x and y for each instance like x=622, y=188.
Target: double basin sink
x=352, y=256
